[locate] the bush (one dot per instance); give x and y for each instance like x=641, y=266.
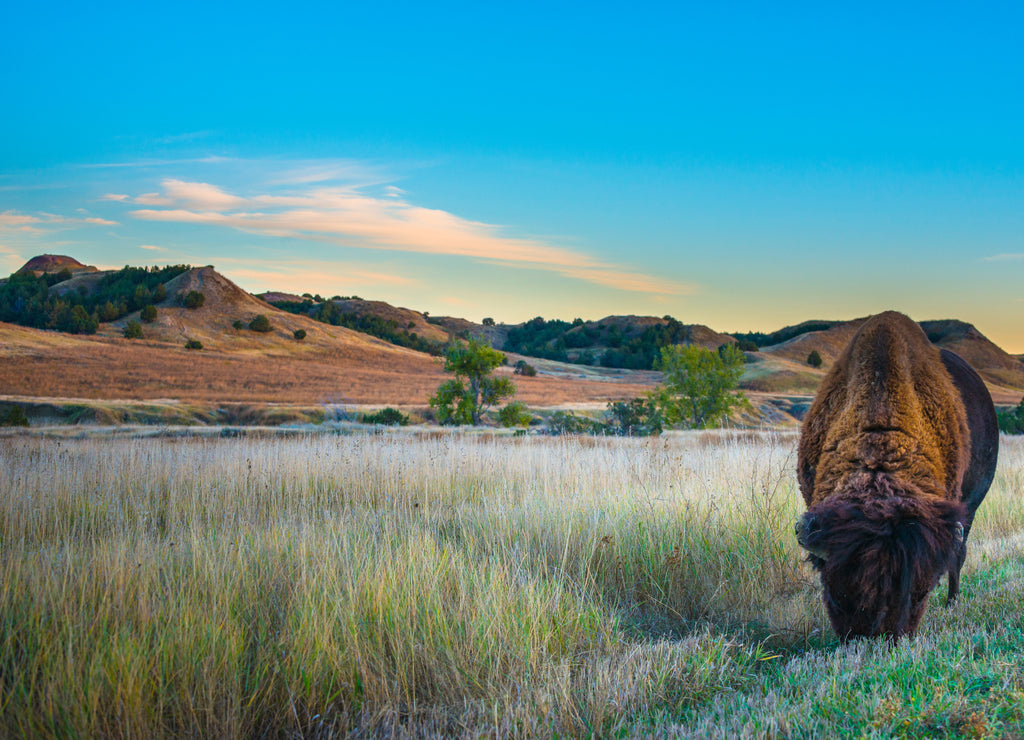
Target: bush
x=524, y=368
x=386, y=416
x=814, y=359
x=1011, y=421
x=148, y=313
x=193, y=344
x=488, y=321
x=193, y=299
x=15, y=417
x=746, y=345
x=132, y=330
x=514, y=414
x=261, y=324
x=566, y=422
x=237, y=325
x=299, y=334
x=636, y=418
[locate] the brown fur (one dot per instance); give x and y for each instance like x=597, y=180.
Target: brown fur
x=881, y=461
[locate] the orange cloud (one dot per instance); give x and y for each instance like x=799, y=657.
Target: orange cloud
x=353, y=218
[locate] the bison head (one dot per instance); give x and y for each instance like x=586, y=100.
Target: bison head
x=880, y=558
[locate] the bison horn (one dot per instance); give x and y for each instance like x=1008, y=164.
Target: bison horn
x=804, y=528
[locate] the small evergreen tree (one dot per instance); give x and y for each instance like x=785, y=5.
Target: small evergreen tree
x=237, y=324
x=132, y=330
x=261, y=324
x=148, y=313
x=524, y=368
x=193, y=299
x=299, y=334
x=814, y=359
x=193, y=344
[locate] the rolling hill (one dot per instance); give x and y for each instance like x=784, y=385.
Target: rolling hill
x=335, y=362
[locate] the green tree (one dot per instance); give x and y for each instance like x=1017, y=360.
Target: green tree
x=299, y=334
x=193, y=299
x=148, y=313
x=193, y=344
x=473, y=390
x=261, y=323
x=699, y=389
x=132, y=330
x=237, y=324
x=814, y=359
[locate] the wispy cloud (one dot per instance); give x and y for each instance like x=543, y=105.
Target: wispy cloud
x=154, y=163
x=115, y=196
x=15, y=221
x=152, y=248
x=351, y=216
x=1007, y=257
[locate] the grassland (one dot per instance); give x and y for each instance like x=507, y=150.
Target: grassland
x=465, y=585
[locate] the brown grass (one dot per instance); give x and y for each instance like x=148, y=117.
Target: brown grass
x=364, y=371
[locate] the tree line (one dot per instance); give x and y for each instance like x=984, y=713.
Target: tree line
x=27, y=299
x=389, y=330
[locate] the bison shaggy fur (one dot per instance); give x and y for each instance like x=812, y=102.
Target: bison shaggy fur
x=895, y=454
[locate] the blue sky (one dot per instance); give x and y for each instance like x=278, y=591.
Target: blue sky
x=737, y=165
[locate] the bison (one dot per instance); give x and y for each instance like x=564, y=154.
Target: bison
x=895, y=455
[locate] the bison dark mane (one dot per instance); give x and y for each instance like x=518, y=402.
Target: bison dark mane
x=880, y=555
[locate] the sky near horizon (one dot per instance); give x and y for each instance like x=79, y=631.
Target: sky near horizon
x=739, y=165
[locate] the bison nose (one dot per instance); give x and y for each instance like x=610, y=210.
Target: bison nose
x=805, y=525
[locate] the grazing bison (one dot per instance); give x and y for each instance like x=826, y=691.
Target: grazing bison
x=895, y=455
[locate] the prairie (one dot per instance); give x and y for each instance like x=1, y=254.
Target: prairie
x=466, y=585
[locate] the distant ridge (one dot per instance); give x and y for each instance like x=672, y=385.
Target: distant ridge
x=995, y=365
x=54, y=263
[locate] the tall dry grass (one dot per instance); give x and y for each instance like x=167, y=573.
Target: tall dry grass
x=412, y=584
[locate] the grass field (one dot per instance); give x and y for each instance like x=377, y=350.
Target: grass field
x=466, y=585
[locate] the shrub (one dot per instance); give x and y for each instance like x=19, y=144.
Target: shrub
x=299, y=334
x=488, y=321
x=747, y=345
x=237, y=324
x=193, y=344
x=132, y=330
x=386, y=416
x=14, y=417
x=814, y=359
x=636, y=418
x=261, y=323
x=1011, y=421
x=524, y=368
x=514, y=414
x=193, y=299
x=148, y=313
x=566, y=422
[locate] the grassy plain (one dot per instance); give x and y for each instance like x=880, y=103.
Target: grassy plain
x=465, y=585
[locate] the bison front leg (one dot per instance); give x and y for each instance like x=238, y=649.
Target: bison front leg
x=958, y=562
